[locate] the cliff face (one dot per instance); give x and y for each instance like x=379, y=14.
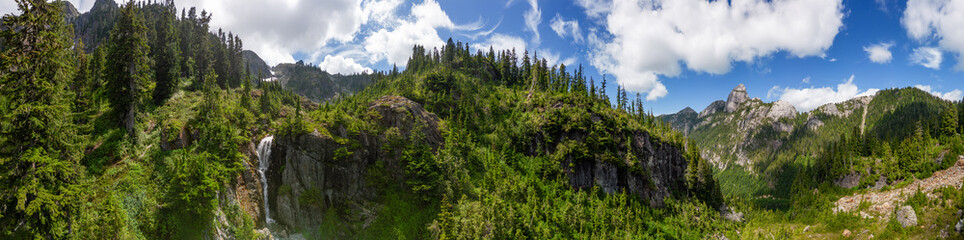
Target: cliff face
x=312, y=174
x=664, y=176
x=255, y=65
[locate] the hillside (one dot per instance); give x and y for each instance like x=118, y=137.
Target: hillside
x=317, y=85
x=126, y=144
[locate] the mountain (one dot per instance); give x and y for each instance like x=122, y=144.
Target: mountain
x=750, y=139
x=255, y=65
x=93, y=27
x=317, y=85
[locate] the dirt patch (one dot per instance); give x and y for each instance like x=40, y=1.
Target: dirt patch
x=883, y=203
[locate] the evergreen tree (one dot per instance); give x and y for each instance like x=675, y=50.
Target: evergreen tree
x=128, y=67
x=166, y=55
x=949, y=122
x=38, y=159
x=602, y=89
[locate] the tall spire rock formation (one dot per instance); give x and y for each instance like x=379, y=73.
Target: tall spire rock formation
x=737, y=97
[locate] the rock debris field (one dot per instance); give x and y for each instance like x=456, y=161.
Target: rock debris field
x=882, y=203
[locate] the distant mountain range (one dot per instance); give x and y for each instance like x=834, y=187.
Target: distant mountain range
x=748, y=136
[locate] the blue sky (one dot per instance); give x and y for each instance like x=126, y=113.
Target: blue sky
x=674, y=53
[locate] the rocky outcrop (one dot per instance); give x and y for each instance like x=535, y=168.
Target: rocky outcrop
x=93, y=27
x=311, y=174
x=850, y=180
x=737, y=97
x=781, y=109
x=907, y=217
x=665, y=177
x=716, y=106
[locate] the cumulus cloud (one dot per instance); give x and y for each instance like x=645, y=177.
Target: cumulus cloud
x=807, y=99
x=928, y=57
x=276, y=29
x=879, y=53
x=395, y=45
x=939, y=20
x=500, y=42
x=533, y=18
x=342, y=65
x=565, y=28
x=652, y=38
x=953, y=95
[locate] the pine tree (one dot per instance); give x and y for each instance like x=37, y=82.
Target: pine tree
x=38, y=159
x=166, y=55
x=128, y=67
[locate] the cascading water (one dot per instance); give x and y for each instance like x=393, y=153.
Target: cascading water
x=264, y=156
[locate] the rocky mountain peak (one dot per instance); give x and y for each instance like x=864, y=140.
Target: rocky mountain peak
x=781, y=109
x=104, y=5
x=714, y=107
x=687, y=110
x=737, y=96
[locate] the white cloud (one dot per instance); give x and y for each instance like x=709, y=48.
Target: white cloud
x=277, y=29
x=928, y=57
x=940, y=20
x=807, y=99
x=879, y=53
x=342, y=65
x=565, y=28
x=499, y=42
x=651, y=38
x=595, y=8
x=395, y=45
x=553, y=58
x=380, y=12
x=775, y=91
x=806, y=80
x=953, y=95
x=533, y=18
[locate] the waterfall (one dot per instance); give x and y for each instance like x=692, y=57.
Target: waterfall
x=264, y=156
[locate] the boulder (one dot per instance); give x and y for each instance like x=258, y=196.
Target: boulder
x=737, y=97
x=906, y=216
x=959, y=226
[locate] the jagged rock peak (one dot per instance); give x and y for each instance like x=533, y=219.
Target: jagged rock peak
x=781, y=109
x=687, y=110
x=714, y=107
x=737, y=96
x=104, y=5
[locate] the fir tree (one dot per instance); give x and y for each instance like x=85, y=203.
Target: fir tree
x=38, y=158
x=128, y=67
x=166, y=55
